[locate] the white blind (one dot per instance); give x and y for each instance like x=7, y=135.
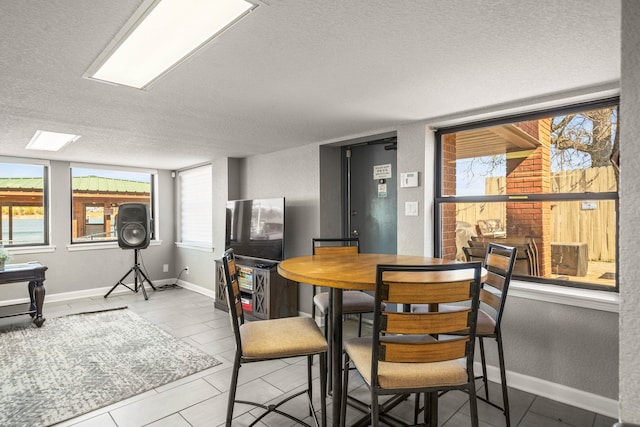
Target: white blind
x=196, y=206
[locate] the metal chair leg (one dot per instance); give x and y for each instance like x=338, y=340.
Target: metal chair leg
x=503, y=379
x=484, y=368
x=473, y=405
x=232, y=390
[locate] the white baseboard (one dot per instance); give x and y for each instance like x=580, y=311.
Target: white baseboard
x=87, y=293
x=558, y=392
x=199, y=289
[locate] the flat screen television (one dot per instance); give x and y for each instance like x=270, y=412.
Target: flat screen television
x=255, y=228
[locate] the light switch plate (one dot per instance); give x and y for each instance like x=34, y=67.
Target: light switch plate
x=410, y=208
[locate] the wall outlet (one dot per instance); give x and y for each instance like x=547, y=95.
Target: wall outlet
x=165, y=268
x=186, y=270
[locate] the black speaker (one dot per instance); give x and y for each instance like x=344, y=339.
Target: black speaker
x=133, y=226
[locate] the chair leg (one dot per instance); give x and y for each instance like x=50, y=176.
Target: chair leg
x=323, y=388
x=430, y=407
x=309, y=384
x=345, y=385
x=503, y=379
x=313, y=305
x=473, y=405
x=360, y=324
x=375, y=409
x=484, y=368
x=416, y=409
x=327, y=333
x=232, y=390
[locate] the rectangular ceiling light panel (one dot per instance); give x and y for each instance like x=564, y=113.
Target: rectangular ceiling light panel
x=167, y=32
x=50, y=141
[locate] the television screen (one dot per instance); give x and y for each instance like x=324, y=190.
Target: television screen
x=256, y=228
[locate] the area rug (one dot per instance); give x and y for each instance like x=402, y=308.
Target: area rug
x=76, y=364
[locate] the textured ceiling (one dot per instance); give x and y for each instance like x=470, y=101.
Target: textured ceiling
x=293, y=72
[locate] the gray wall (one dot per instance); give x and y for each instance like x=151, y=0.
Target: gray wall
x=412, y=147
x=82, y=271
x=567, y=345
x=573, y=346
x=295, y=175
x=629, y=208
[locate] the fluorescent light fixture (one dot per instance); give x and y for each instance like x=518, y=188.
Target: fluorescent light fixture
x=50, y=141
x=162, y=34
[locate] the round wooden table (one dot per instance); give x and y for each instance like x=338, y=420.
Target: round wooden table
x=352, y=271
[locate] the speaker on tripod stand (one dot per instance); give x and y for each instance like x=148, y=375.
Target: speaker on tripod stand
x=133, y=227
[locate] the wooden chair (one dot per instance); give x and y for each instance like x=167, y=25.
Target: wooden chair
x=408, y=352
x=499, y=261
x=353, y=302
x=272, y=339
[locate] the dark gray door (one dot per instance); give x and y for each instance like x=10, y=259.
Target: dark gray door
x=371, y=196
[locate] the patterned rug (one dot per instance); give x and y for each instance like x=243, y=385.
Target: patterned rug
x=79, y=363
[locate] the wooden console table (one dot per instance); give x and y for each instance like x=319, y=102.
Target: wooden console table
x=33, y=273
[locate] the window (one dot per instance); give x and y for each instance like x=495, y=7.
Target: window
x=546, y=183
x=195, y=194
x=96, y=195
x=23, y=204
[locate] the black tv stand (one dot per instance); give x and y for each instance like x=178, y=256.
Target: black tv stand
x=265, y=294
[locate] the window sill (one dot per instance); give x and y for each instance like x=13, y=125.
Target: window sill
x=585, y=298
x=31, y=250
x=195, y=246
x=98, y=246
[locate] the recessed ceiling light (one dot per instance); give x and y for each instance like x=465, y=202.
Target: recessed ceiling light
x=50, y=141
x=162, y=34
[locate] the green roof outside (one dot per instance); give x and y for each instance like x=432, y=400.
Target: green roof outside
x=81, y=183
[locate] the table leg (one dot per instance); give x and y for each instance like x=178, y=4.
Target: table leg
x=336, y=352
x=36, y=295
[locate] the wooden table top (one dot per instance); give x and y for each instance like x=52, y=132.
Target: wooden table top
x=358, y=271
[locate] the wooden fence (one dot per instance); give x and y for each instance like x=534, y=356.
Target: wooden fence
x=593, y=222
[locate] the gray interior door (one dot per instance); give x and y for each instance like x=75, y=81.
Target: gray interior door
x=371, y=196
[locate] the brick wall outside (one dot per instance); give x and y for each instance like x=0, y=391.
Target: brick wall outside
x=532, y=174
x=448, y=213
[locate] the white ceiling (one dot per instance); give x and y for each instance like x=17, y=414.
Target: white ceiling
x=293, y=72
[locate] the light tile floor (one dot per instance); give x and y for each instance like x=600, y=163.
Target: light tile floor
x=201, y=399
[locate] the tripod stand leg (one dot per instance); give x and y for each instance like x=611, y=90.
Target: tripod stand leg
x=144, y=291
x=119, y=282
x=147, y=279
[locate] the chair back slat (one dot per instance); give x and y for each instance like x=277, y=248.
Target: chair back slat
x=490, y=299
x=418, y=337
x=335, y=250
x=425, y=323
x=498, y=261
x=232, y=289
x=335, y=245
x=437, y=351
x=495, y=280
x=445, y=292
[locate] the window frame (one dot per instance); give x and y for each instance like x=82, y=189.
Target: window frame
x=153, y=191
x=46, y=205
x=440, y=199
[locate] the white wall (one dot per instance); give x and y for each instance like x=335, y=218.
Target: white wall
x=629, y=208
